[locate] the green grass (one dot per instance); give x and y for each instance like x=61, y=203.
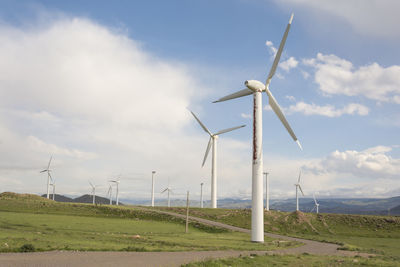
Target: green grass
x=48, y=225
x=374, y=234
x=295, y=261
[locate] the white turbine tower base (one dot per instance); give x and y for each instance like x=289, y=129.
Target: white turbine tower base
x=152, y=188
x=117, y=184
x=213, y=142
x=266, y=192
x=256, y=88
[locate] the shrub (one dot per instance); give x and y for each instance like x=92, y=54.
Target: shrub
x=27, y=248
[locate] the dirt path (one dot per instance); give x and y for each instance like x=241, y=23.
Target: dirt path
x=89, y=259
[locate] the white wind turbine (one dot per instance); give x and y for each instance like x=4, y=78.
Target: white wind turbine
x=109, y=193
x=48, y=177
x=213, y=141
x=93, y=192
x=152, y=188
x=297, y=195
x=256, y=88
x=117, y=184
x=168, y=190
x=316, y=206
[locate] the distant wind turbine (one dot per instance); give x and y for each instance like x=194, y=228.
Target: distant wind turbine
x=213, y=141
x=298, y=187
x=316, y=206
x=117, y=184
x=256, y=88
x=109, y=193
x=168, y=190
x=48, y=177
x=93, y=192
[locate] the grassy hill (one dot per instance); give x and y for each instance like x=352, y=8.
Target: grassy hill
x=82, y=199
x=32, y=223
x=375, y=234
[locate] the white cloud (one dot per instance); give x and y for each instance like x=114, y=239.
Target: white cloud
x=245, y=116
x=290, y=98
x=338, y=76
x=369, y=17
x=272, y=48
x=327, y=110
x=369, y=163
x=290, y=63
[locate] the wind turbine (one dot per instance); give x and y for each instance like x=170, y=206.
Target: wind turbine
x=117, y=183
x=48, y=177
x=316, y=206
x=256, y=88
x=168, y=190
x=109, y=193
x=201, y=195
x=298, y=187
x=213, y=141
x=152, y=188
x=93, y=192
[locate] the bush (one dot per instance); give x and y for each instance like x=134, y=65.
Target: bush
x=27, y=248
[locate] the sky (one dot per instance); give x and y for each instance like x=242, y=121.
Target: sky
x=105, y=88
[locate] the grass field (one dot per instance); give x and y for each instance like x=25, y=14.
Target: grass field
x=374, y=234
x=30, y=222
x=295, y=261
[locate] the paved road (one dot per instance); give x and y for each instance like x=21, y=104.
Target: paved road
x=141, y=259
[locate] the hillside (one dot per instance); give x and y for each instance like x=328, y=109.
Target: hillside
x=376, y=234
x=82, y=199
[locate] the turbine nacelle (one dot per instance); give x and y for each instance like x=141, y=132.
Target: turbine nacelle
x=255, y=86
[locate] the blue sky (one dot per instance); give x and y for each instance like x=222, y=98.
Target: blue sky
x=104, y=87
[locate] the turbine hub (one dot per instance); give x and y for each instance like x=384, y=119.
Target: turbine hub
x=255, y=86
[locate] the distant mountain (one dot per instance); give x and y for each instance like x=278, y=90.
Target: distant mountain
x=82, y=199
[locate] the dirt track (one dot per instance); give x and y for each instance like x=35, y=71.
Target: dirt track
x=70, y=258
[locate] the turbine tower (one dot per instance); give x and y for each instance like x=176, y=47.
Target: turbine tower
x=53, y=184
x=256, y=88
x=201, y=195
x=48, y=177
x=316, y=206
x=297, y=195
x=266, y=191
x=168, y=190
x=109, y=193
x=152, y=188
x=93, y=192
x=213, y=141
x=117, y=183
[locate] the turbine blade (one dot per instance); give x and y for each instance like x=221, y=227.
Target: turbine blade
x=91, y=184
x=278, y=111
x=241, y=93
x=229, y=129
x=312, y=209
x=298, y=180
x=279, y=53
x=48, y=166
x=315, y=199
x=201, y=124
x=164, y=190
x=44, y=171
x=301, y=190
x=207, y=150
